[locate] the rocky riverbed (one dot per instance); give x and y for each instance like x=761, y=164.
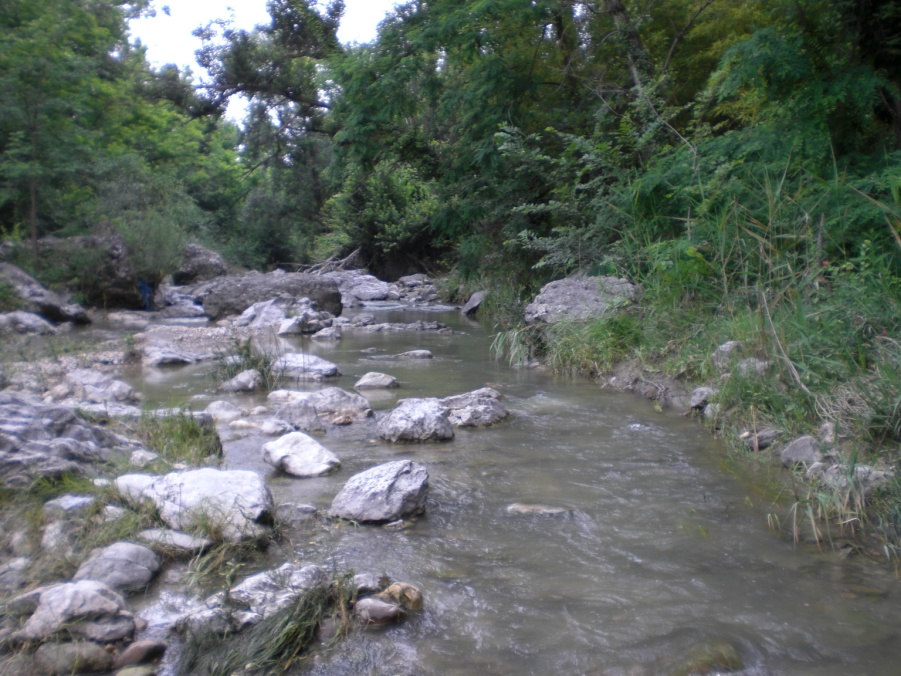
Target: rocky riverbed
x=495, y=518
x=65, y=422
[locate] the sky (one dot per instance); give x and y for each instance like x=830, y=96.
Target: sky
x=168, y=38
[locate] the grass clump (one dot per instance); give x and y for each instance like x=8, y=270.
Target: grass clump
x=278, y=643
x=9, y=299
x=245, y=355
x=23, y=513
x=179, y=438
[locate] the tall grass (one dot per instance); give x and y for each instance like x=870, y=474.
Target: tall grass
x=277, y=644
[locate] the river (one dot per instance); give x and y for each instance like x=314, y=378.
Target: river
x=666, y=546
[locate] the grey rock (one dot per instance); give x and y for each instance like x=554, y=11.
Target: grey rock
x=199, y=264
x=157, y=355
x=246, y=381
x=827, y=432
x=725, y=353
x=370, y=583
x=294, y=514
x=375, y=380
x=101, y=263
x=802, y=451
x=174, y=540
x=383, y=493
x=265, y=314
x=232, y=294
x=12, y=574
x=331, y=403
x=579, y=298
x=86, y=385
x=328, y=333
x=275, y=427
x=235, y=502
x=223, y=411
x=77, y=657
x=139, y=652
x=863, y=479
x=253, y=600
x=123, y=566
x=39, y=440
x=37, y=299
x=372, y=610
x=67, y=506
x=762, y=439
x=300, y=455
x=479, y=408
x=700, y=396
x=416, y=420
x=59, y=538
x=367, y=288
x=24, y=323
x=474, y=303
x=415, y=354
x=84, y=608
x=142, y=458
x=305, y=366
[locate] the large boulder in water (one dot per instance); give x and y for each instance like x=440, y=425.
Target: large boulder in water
x=416, y=420
x=232, y=294
x=34, y=297
x=383, y=493
x=199, y=264
x=479, y=408
x=330, y=403
x=578, y=298
x=300, y=455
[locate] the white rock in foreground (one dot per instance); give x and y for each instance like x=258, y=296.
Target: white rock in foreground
x=234, y=502
x=300, y=455
x=383, y=493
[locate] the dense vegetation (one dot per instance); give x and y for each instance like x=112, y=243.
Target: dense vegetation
x=741, y=160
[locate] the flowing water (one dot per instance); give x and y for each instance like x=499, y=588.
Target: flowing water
x=664, y=550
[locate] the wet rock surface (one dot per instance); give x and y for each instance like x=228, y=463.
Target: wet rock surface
x=300, y=455
x=416, y=420
x=383, y=493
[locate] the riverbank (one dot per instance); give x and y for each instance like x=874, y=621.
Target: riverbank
x=762, y=376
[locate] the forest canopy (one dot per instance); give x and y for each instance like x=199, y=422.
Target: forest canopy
x=537, y=138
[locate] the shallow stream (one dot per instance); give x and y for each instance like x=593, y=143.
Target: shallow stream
x=666, y=547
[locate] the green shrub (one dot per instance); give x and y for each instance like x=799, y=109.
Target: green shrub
x=179, y=438
x=9, y=299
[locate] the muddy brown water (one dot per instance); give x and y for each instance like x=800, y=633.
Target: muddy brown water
x=666, y=547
